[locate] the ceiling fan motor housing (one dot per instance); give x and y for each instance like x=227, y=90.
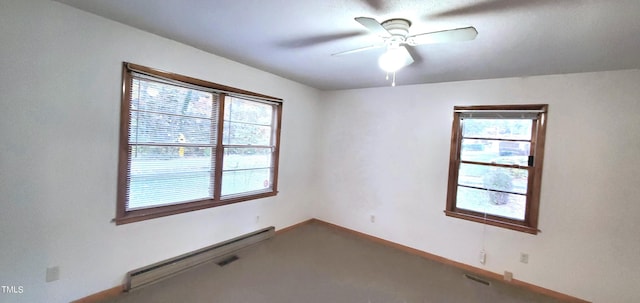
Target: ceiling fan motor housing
x=398, y=27
x=399, y=30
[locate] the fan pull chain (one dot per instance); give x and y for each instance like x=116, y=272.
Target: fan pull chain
x=393, y=83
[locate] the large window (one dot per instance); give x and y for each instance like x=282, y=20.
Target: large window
x=188, y=144
x=495, y=165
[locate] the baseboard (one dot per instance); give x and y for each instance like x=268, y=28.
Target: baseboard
x=100, y=296
x=167, y=268
x=292, y=227
x=109, y=293
x=113, y=292
x=465, y=267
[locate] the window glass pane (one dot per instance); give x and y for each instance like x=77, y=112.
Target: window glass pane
x=246, y=134
x=517, y=129
x=495, y=151
x=496, y=178
x=246, y=157
x=160, y=128
x=239, y=110
x=242, y=181
x=493, y=203
x=168, y=175
x=170, y=99
x=247, y=168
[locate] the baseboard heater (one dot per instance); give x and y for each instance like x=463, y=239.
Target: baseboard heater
x=167, y=268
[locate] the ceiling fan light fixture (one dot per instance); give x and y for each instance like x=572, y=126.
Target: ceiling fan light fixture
x=393, y=59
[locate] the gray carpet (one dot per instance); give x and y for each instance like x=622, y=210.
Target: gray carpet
x=317, y=263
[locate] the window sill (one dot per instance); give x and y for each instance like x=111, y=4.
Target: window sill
x=494, y=222
x=152, y=213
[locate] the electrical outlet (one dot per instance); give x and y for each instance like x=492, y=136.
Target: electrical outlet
x=373, y=219
x=508, y=276
x=53, y=274
x=524, y=258
x=483, y=257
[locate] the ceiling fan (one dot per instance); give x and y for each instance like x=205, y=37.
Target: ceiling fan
x=395, y=37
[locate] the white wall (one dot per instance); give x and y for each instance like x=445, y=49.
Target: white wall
x=60, y=78
x=379, y=151
x=386, y=151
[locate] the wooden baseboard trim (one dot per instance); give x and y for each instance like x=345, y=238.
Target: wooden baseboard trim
x=465, y=267
x=292, y=227
x=110, y=293
x=100, y=296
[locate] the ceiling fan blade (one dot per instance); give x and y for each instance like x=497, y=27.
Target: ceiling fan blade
x=415, y=55
x=357, y=50
x=450, y=35
x=374, y=26
x=408, y=59
x=378, y=5
x=318, y=39
x=492, y=7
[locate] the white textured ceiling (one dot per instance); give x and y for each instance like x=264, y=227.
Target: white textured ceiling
x=295, y=38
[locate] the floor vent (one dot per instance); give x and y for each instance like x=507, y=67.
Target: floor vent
x=227, y=260
x=167, y=268
x=479, y=280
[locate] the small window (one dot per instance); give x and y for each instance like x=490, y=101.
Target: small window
x=188, y=144
x=495, y=165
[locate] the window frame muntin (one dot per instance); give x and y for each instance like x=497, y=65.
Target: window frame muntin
x=123, y=216
x=532, y=207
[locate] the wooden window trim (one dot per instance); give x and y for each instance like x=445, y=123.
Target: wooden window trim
x=194, y=81
x=530, y=222
x=122, y=215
